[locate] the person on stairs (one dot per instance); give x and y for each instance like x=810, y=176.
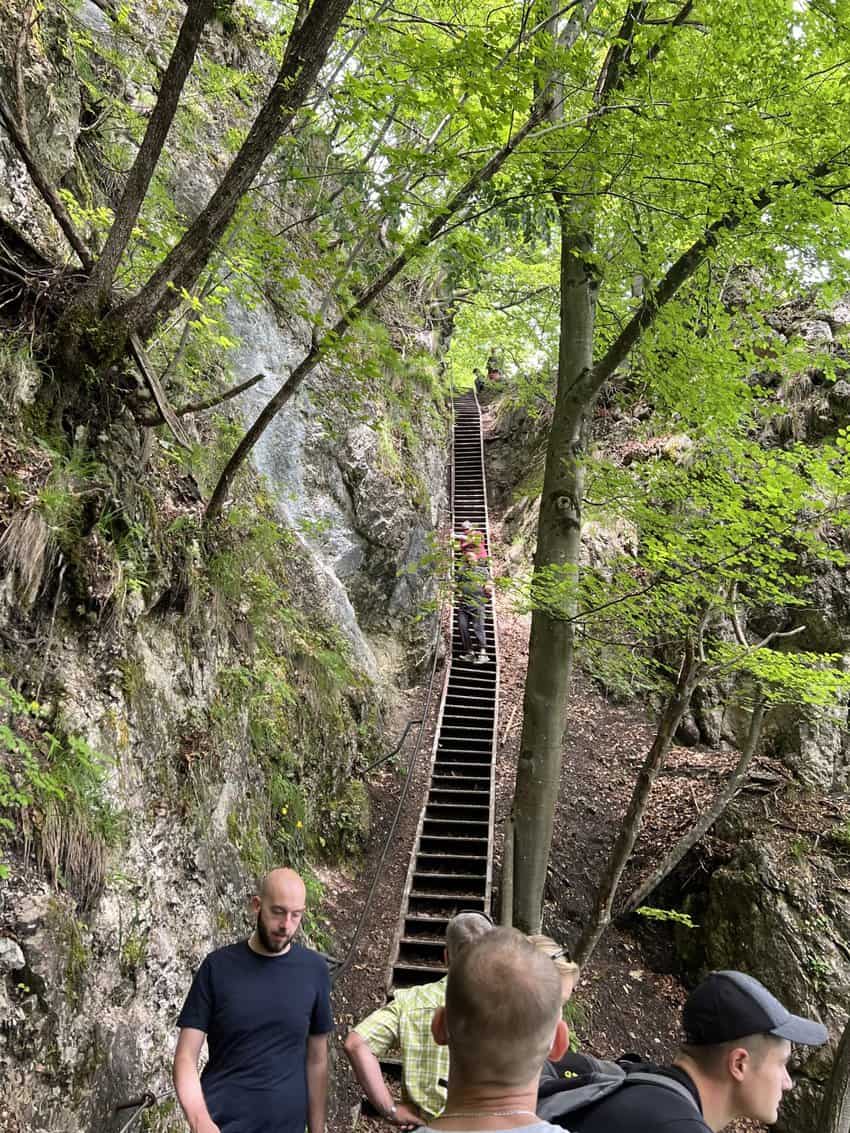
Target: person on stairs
x=471, y=538
x=474, y=590
x=501, y=1019
x=405, y=1023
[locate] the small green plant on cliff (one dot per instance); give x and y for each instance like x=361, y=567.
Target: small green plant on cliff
x=51, y=791
x=68, y=932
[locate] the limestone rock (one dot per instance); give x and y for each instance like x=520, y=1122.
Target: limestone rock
x=11, y=957
x=815, y=332
x=784, y=917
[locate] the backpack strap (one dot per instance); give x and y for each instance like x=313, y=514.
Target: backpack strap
x=647, y=1078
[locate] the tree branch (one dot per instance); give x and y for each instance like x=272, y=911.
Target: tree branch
x=209, y=403
x=305, y=54
x=690, y=674
x=198, y=14
x=322, y=345
x=48, y=193
x=154, y=385
x=707, y=819
x=683, y=268
x=616, y=62
x=20, y=90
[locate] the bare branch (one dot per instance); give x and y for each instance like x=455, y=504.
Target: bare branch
x=154, y=385
x=209, y=403
x=198, y=14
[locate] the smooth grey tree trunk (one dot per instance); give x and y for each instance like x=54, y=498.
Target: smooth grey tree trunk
x=550, y=653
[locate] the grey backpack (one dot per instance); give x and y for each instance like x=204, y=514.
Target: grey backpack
x=559, y=1097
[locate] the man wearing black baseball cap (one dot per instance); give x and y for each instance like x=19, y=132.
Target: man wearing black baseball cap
x=732, y=1063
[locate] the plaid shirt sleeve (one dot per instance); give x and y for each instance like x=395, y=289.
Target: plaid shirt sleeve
x=380, y=1030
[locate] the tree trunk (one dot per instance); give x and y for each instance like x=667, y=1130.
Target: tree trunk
x=306, y=51
x=198, y=13
x=550, y=652
x=671, y=717
x=706, y=820
x=506, y=895
x=835, y=1109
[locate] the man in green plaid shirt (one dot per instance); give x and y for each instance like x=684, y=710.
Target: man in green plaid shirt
x=405, y=1024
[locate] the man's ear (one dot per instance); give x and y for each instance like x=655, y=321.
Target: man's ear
x=560, y=1041
x=737, y=1061
x=255, y=904
x=439, y=1031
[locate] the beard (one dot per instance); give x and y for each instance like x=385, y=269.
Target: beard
x=269, y=942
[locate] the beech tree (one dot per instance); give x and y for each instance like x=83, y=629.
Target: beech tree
x=97, y=325
x=686, y=132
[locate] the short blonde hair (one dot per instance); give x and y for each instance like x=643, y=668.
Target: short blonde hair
x=557, y=954
x=503, y=1002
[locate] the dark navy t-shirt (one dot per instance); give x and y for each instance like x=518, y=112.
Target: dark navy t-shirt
x=257, y=1012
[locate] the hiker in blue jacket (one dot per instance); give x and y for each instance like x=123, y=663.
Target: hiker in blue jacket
x=733, y=1063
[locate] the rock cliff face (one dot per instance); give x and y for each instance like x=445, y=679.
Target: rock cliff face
x=228, y=743
x=781, y=910
x=181, y=709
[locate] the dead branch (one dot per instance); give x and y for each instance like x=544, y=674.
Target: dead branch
x=149, y=374
x=209, y=403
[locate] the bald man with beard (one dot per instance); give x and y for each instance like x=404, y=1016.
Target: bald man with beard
x=263, y=1007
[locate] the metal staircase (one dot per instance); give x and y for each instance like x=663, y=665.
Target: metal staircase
x=451, y=864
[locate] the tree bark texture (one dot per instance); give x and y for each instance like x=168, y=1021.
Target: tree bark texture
x=706, y=820
x=674, y=710
x=198, y=14
x=306, y=52
x=835, y=1109
x=550, y=651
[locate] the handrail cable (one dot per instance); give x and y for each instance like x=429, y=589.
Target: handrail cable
x=383, y=758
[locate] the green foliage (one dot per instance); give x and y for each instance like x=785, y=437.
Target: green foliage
x=53, y=784
x=670, y=916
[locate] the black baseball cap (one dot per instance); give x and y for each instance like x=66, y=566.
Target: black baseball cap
x=730, y=1005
